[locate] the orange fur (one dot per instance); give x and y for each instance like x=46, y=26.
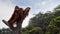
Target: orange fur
x=18, y=12
x=17, y=15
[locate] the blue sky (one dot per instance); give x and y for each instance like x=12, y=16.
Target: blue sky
x=7, y=8
x=38, y=5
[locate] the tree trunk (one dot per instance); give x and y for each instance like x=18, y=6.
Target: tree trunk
x=16, y=30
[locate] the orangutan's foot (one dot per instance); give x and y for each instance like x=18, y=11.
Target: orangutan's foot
x=5, y=22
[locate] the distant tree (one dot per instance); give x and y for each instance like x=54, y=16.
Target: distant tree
x=36, y=30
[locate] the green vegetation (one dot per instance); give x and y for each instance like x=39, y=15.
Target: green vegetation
x=48, y=23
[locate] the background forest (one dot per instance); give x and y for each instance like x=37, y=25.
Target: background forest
x=47, y=23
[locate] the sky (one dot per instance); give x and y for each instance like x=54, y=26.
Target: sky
x=7, y=8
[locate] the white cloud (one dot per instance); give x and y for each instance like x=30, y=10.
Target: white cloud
x=47, y=5
x=26, y=21
x=43, y=2
x=6, y=9
x=50, y=0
